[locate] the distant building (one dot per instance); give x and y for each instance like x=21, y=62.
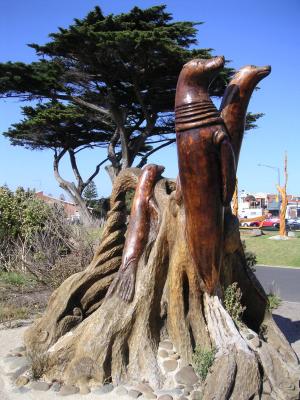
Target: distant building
x=71, y=210
x=257, y=204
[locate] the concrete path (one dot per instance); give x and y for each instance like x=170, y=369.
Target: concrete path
x=284, y=282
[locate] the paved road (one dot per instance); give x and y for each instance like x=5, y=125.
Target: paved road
x=284, y=282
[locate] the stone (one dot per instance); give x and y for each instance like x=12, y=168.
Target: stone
x=84, y=389
x=134, y=393
x=67, y=390
x=255, y=232
x=196, y=395
x=174, y=356
x=143, y=387
x=170, y=365
x=186, y=376
x=163, y=353
x=166, y=344
x=121, y=391
x=19, y=349
x=19, y=372
x=149, y=395
x=105, y=389
x=18, y=362
x=56, y=387
x=182, y=398
x=171, y=392
x=165, y=397
x=256, y=342
x=250, y=336
x=21, y=390
x=22, y=381
x=40, y=386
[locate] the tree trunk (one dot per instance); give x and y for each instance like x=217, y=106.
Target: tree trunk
x=90, y=338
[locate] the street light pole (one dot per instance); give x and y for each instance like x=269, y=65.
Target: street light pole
x=272, y=167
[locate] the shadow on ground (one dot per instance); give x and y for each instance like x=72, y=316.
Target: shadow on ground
x=291, y=329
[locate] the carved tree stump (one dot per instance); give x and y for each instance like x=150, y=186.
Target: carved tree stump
x=88, y=337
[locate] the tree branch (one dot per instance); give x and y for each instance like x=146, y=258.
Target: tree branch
x=80, y=183
x=144, y=159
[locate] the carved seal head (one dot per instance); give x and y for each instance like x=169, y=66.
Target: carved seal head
x=195, y=77
x=251, y=74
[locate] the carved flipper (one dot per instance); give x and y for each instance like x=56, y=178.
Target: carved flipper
x=227, y=171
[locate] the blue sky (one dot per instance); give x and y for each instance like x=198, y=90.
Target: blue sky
x=259, y=32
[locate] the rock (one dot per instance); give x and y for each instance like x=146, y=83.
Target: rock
x=196, y=395
x=186, y=376
x=182, y=398
x=56, y=387
x=21, y=390
x=18, y=362
x=255, y=232
x=250, y=336
x=165, y=397
x=187, y=390
x=67, y=390
x=163, y=353
x=134, y=393
x=143, y=387
x=105, y=389
x=170, y=365
x=174, y=356
x=166, y=344
x=84, y=389
x=256, y=342
x=170, y=392
x=40, y=385
x=19, y=372
x=149, y=395
x=19, y=349
x=22, y=381
x=121, y=391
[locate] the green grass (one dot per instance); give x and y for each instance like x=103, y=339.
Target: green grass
x=274, y=252
x=16, y=278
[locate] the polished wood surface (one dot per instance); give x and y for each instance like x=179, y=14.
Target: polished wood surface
x=137, y=233
x=236, y=99
x=206, y=166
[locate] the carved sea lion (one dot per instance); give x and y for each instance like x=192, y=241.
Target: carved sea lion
x=236, y=99
x=137, y=233
x=206, y=166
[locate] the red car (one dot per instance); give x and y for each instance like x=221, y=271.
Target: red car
x=269, y=222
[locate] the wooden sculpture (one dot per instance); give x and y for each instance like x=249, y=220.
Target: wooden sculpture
x=284, y=200
x=137, y=233
x=206, y=166
x=182, y=244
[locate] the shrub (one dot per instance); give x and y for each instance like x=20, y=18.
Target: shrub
x=202, y=361
x=250, y=257
x=232, y=302
x=274, y=301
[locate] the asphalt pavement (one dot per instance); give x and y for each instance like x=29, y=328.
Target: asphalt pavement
x=284, y=282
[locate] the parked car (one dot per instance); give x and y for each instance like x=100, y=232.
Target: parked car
x=267, y=223
x=292, y=225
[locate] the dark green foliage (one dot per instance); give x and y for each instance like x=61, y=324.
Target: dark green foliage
x=22, y=214
x=250, y=257
x=232, y=302
x=90, y=194
x=203, y=360
x=107, y=81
